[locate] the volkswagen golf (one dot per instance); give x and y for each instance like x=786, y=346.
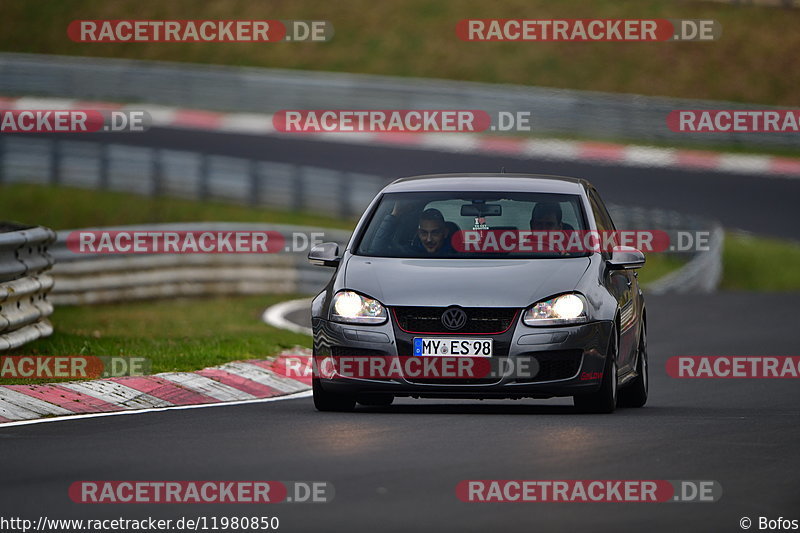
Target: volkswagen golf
x=444, y=267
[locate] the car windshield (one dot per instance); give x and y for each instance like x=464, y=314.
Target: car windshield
x=472, y=225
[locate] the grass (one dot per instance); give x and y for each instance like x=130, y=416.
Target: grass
x=69, y=207
x=760, y=264
x=175, y=335
x=754, y=61
x=658, y=265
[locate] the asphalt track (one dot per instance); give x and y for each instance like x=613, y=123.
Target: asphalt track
x=396, y=469
x=750, y=202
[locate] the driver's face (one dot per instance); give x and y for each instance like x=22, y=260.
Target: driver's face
x=431, y=234
x=546, y=223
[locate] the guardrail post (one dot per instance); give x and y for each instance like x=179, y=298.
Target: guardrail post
x=255, y=183
x=156, y=174
x=55, y=163
x=2, y=160
x=203, y=177
x=345, y=209
x=103, y=178
x=298, y=188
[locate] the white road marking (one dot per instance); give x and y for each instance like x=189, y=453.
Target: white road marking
x=276, y=315
x=247, y=123
x=160, y=115
x=650, y=157
x=450, y=142
x=551, y=149
x=747, y=164
x=30, y=102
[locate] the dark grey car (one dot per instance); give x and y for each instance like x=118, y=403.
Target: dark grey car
x=407, y=286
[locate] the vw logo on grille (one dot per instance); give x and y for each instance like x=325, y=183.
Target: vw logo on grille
x=454, y=318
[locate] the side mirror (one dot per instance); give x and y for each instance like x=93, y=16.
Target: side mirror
x=325, y=254
x=625, y=258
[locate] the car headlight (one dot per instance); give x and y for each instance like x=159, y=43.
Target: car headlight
x=564, y=309
x=352, y=308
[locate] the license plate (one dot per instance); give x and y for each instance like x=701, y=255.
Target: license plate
x=439, y=346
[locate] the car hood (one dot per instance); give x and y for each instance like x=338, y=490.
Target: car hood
x=464, y=282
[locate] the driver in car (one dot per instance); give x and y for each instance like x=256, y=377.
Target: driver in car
x=433, y=235
x=546, y=216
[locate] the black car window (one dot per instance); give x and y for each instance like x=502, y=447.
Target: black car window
x=601, y=215
x=424, y=224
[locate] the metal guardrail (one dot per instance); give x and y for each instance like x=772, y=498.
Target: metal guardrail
x=702, y=271
x=24, y=306
x=98, y=278
x=555, y=112
x=192, y=175
x=701, y=274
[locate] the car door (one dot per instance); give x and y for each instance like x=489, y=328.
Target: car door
x=623, y=285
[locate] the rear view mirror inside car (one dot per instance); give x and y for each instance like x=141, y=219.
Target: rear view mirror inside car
x=481, y=210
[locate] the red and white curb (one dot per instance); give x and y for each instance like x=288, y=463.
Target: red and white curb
x=287, y=375
x=550, y=149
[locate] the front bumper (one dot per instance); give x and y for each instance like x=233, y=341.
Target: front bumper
x=570, y=361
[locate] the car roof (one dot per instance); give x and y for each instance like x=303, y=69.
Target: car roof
x=489, y=182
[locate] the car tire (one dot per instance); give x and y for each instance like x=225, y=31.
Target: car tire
x=635, y=394
x=376, y=400
x=331, y=401
x=605, y=399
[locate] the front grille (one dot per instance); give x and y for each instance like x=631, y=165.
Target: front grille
x=555, y=365
x=454, y=381
x=480, y=320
